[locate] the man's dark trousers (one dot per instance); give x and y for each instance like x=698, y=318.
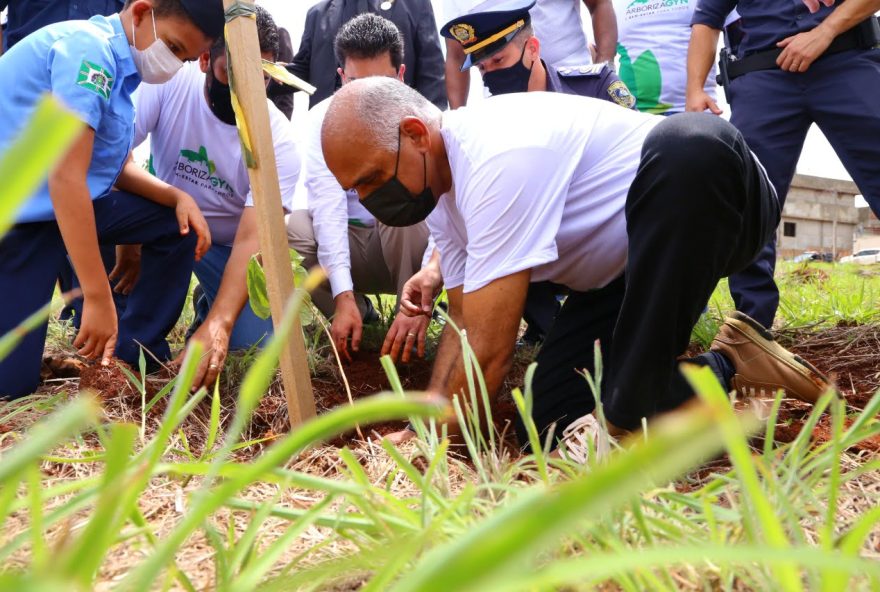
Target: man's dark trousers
x=699, y=209
x=774, y=110
x=31, y=256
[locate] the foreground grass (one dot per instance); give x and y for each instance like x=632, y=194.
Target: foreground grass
x=163, y=501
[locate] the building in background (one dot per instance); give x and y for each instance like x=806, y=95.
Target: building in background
x=819, y=215
x=867, y=232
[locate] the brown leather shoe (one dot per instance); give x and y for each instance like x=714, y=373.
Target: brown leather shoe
x=762, y=365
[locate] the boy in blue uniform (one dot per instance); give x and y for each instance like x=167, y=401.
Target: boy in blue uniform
x=795, y=66
x=93, y=67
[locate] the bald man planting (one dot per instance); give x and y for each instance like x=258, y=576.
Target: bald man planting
x=536, y=186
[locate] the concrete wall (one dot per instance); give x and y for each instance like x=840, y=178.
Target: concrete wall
x=868, y=231
x=822, y=216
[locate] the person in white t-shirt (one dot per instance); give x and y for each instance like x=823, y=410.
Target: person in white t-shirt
x=556, y=22
x=652, y=44
x=195, y=146
x=359, y=254
x=619, y=191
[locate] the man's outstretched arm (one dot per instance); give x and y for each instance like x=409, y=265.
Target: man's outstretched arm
x=232, y=296
x=491, y=317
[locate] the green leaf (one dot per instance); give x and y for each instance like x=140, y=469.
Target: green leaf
x=258, y=292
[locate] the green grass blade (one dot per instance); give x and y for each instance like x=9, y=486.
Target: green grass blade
x=30, y=158
x=707, y=386
x=499, y=548
x=46, y=435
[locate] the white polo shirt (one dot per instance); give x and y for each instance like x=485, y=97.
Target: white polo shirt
x=193, y=150
x=539, y=182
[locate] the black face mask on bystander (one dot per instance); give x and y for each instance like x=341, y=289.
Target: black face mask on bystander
x=219, y=98
x=392, y=203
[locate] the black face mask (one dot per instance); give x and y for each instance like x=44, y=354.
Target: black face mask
x=219, y=98
x=393, y=205
x=509, y=80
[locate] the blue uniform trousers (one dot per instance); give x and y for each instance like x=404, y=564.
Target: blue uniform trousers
x=31, y=256
x=774, y=109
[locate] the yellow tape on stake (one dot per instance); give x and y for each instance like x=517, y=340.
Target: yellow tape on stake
x=244, y=134
x=284, y=76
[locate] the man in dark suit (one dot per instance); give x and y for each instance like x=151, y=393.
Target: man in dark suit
x=316, y=62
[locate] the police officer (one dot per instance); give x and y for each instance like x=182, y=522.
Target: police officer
x=793, y=68
x=499, y=40
x=94, y=67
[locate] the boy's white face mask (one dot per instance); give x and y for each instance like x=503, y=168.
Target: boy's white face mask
x=156, y=64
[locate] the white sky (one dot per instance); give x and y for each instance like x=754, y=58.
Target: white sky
x=818, y=158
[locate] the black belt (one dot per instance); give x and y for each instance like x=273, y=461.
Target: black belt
x=863, y=36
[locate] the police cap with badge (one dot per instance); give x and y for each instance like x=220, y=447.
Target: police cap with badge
x=488, y=28
x=491, y=25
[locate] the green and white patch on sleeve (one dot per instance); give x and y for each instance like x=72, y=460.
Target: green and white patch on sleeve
x=95, y=78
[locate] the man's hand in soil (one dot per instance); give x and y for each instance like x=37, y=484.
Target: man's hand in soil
x=405, y=333
x=417, y=296
x=214, y=335
x=127, y=270
x=347, y=322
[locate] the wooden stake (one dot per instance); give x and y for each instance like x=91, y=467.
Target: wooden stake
x=243, y=49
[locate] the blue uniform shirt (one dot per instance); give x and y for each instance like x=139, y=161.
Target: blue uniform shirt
x=26, y=16
x=764, y=22
x=89, y=67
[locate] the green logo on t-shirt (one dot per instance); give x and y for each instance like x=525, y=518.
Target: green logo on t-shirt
x=644, y=80
x=200, y=157
x=198, y=168
x=95, y=78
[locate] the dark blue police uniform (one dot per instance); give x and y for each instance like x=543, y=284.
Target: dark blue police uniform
x=26, y=16
x=774, y=110
x=592, y=80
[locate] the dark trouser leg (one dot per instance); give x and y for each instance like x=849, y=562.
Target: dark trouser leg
x=31, y=255
x=844, y=89
x=561, y=394
x=540, y=310
x=699, y=209
x=68, y=281
x=166, y=268
x=772, y=110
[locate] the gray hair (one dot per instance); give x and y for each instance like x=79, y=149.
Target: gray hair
x=379, y=103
